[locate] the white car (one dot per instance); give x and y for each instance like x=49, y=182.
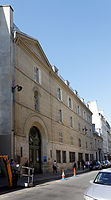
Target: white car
x=100, y=188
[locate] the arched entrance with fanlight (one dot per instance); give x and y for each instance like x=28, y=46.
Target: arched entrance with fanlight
x=36, y=133
x=35, y=149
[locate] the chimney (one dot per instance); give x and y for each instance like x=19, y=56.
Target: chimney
x=6, y=19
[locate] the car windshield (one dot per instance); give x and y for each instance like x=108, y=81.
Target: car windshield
x=103, y=178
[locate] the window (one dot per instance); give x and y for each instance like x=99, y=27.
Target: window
x=84, y=115
x=78, y=110
x=80, y=157
x=60, y=138
x=64, y=156
x=91, y=145
x=36, y=74
x=70, y=103
x=79, y=141
x=58, y=156
x=60, y=115
x=79, y=127
x=72, y=156
x=36, y=101
x=50, y=153
x=89, y=119
x=86, y=157
x=86, y=145
x=71, y=123
x=21, y=151
x=95, y=142
x=91, y=157
x=59, y=94
x=103, y=178
x=71, y=140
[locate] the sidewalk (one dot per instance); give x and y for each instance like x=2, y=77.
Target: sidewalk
x=42, y=178
x=38, y=179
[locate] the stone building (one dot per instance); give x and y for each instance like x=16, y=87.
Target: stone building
x=41, y=118
x=98, y=144
x=102, y=127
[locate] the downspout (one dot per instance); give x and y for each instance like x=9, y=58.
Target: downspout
x=14, y=94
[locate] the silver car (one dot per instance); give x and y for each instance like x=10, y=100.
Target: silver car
x=100, y=188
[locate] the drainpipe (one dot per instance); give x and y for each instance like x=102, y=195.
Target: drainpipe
x=14, y=95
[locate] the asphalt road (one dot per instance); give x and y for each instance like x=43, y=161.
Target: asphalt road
x=70, y=189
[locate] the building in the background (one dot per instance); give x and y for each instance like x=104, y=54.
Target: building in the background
x=98, y=145
x=41, y=117
x=102, y=127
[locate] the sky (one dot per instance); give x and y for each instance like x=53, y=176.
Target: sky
x=76, y=37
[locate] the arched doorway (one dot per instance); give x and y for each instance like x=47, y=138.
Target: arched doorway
x=35, y=149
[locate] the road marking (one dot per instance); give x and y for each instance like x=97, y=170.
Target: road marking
x=19, y=192
x=3, y=197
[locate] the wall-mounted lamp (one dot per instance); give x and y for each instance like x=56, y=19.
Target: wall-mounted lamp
x=19, y=88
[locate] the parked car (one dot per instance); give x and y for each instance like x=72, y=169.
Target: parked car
x=100, y=188
x=95, y=165
x=107, y=163
x=103, y=164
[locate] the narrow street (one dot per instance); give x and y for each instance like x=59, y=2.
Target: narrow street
x=70, y=189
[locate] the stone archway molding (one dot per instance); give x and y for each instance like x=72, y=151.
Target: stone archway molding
x=34, y=120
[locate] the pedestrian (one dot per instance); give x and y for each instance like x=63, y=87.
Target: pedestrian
x=78, y=162
x=75, y=165
x=83, y=164
x=88, y=164
x=12, y=166
x=54, y=167
x=14, y=173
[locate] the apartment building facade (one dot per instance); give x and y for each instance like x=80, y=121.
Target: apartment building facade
x=47, y=120
x=102, y=127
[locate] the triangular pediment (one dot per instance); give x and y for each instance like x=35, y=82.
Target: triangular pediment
x=34, y=47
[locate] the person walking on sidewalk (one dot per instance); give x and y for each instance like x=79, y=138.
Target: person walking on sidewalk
x=54, y=167
x=78, y=162
x=14, y=173
x=74, y=166
x=83, y=164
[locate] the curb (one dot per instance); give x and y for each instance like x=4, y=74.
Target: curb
x=57, y=177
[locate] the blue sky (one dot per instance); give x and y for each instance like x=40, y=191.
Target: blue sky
x=76, y=37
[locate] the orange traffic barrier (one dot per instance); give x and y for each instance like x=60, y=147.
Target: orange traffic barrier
x=74, y=172
x=63, y=175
